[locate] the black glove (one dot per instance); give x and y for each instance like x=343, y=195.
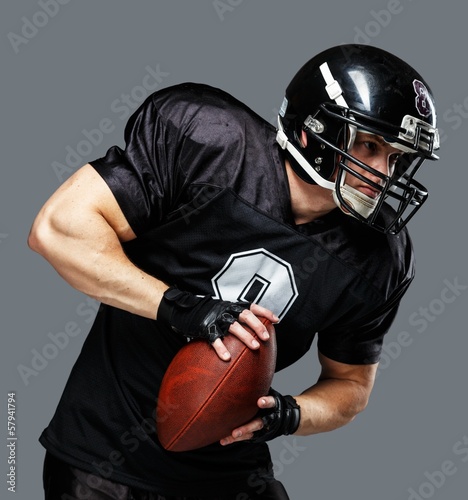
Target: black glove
x=198, y=317
x=283, y=419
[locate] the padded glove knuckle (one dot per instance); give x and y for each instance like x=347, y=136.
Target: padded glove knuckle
x=198, y=317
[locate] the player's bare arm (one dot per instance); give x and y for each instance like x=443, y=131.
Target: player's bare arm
x=80, y=230
x=341, y=392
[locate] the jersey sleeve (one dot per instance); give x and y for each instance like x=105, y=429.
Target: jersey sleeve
x=361, y=341
x=141, y=176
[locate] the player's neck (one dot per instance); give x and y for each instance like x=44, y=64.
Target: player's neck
x=308, y=201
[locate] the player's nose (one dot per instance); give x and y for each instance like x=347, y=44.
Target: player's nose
x=380, y=164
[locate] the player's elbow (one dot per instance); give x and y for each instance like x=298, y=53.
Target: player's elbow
x=35, y=236
x=359, y=405
x=41, y=234
x=355, y=411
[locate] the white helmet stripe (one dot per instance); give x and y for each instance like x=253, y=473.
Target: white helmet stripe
x=335, y=93
x=332, y=87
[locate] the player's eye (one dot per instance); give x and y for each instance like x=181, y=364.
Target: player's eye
x=366, y=147
x=394, y=158
x=371, y=146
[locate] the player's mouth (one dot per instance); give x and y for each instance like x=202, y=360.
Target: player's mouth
x=369, y=191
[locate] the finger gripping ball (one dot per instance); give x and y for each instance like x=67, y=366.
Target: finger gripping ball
x=203, y=398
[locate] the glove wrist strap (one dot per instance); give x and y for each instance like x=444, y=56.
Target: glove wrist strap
x=292, y=415
x=166, y=306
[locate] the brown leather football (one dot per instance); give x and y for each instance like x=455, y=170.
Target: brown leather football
x=203, y=399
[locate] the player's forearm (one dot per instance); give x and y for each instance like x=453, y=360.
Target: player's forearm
x=89, y=256
x=330, y=404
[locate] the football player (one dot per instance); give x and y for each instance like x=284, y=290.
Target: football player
x=211, y=218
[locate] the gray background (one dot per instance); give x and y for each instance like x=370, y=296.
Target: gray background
x=71, y=74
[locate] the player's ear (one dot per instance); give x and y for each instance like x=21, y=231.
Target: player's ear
x=304, y=138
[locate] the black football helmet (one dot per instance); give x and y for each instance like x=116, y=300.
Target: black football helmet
x=352, y=88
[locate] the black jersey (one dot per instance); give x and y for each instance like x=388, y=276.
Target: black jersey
x=203, y=184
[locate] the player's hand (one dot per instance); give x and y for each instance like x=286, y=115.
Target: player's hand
x=278, y=415
x=212, y=319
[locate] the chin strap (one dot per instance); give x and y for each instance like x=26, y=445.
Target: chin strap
x=283, y=140
x=362, y=204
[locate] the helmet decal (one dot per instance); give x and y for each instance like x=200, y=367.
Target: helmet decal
x=422, y=101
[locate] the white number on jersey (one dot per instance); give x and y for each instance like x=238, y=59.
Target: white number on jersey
x=257, y=276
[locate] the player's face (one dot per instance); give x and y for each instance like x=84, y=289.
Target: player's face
x=376, y=153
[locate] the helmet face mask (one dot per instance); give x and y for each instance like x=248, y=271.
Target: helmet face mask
x=402, y=193
x=348, y=89
x=399, y=189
